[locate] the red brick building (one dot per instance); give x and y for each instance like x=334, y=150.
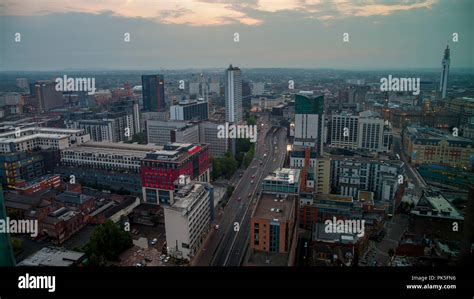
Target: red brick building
x=160, y=169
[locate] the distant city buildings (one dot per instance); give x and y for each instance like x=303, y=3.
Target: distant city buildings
x=22, y=83
x=258, y=88
x=153, y=90
x=47, y=96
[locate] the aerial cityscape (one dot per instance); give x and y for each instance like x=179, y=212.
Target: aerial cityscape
x=148, y=150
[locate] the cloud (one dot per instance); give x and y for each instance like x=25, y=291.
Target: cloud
x=217, y=12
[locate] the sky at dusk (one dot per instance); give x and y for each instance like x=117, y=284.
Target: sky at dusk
x=164, y=34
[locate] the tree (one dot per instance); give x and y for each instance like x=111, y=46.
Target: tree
x=242, y=145
x=216, y=168
x=240, y=158
x=108, y=241
x=230, y=190
x=249, y=157
x=251, y=120
x=229, y=165
x=139, y=137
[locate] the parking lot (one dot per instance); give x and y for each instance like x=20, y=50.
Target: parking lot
x=148, y=249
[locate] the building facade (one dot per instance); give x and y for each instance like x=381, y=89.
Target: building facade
x=233, y=95
x=160, y=169
x=163, y=132
x=189, y=218
x=424, y=145
x=153, y=90
x=309, y=122
x=190, y=110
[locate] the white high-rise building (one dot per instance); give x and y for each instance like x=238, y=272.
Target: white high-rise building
x=344, y=130
x=443, y=84
x=189, y=218
x=365, y=131
x=233, y=95
x=371, y=132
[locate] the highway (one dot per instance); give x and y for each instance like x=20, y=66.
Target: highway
x=237, y=204
x=219, y=244
x=235, y=254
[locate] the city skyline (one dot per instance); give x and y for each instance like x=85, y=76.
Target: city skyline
x=193, y=34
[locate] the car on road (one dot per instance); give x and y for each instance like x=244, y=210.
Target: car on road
x=251, y=182
x=216, y=227
x=167, y=259
x=154, y=241
x=250, y=194
x=162, y=257
x=253, y=176
x=139, y=265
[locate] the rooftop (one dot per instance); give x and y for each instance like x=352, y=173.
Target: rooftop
x=284, y=175
x=175, y=152
x=420, y=133
x=115, y=148
x=433, y=204
x=334, y=197
x=273, y=207
x=320, y=234
x=34, y=136
x=187, y=195
x=51, y=256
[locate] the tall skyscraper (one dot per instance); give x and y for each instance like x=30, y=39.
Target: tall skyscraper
x=233, y=95
x=443, y=84
x=309, y=121
x=153, y=90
